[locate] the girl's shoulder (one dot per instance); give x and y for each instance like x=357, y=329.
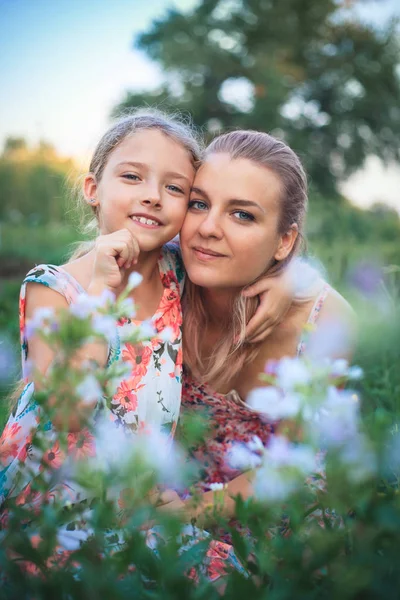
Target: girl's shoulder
x=54, y=278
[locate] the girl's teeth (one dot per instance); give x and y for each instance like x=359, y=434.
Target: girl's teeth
x=145, y=221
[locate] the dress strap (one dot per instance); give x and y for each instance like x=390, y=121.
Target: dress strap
x=318, y=304
x=171, y=267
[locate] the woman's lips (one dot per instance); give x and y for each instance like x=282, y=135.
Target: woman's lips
x=205, y=254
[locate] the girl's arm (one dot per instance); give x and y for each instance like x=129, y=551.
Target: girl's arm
x=296, y=282
x=113, y=253
x=42, y=356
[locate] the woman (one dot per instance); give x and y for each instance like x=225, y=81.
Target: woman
x=245, y=220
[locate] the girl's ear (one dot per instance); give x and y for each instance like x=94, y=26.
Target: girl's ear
x=90, y=190
x=286, y=243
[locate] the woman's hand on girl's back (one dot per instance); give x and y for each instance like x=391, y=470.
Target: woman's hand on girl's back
x=114, y=253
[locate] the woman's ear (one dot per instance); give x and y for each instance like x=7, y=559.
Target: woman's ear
x=286, y=243
x=90, y=190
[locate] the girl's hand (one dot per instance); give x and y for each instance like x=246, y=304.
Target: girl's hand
x=276, y=296
x=113, y=253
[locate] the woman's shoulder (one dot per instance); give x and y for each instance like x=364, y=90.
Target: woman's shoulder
x=335, y=330
x=336, y=306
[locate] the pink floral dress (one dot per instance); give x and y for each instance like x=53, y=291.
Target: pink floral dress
x=151, y=394
x=231, y=419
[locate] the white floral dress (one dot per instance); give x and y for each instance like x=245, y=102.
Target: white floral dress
x=150, y=395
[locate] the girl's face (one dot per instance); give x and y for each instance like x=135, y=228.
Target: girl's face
x=144, y=187
x=230, y=235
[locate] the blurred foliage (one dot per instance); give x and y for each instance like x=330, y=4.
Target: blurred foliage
x=32, y=183
x=307, y=71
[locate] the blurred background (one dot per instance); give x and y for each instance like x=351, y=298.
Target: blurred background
x=324, y=75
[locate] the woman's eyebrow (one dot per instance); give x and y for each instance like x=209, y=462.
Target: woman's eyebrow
x=239, y=202
x=198, y=190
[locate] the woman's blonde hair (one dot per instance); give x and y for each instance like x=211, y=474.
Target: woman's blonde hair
x=232, y=352
x=174, y=126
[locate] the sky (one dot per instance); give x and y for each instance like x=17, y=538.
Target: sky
x=64, y=64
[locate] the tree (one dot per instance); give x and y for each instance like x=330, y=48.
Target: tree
x=307, y=71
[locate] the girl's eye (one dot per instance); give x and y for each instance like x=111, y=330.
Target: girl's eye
x=197, y=205
x=131, y=176
x=175, y=188
x=243, y=215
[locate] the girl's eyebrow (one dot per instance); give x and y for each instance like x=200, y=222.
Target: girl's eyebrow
x=140, y=165
x=130, y=164
x=233, y=202
x=177, y=175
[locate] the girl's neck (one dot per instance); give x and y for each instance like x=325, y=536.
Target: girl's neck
x=147, y=266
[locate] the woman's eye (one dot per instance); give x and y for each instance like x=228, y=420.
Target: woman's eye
x=175, y=188
x=131, y=176
x=197, y=204
x=242, y=215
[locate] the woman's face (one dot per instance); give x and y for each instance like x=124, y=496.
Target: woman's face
x=144, y=187
x=230, y=233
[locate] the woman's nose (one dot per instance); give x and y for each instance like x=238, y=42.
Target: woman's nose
x=211, y=226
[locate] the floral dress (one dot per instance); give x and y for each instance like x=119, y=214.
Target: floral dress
x=231, y=419
x=151, y=394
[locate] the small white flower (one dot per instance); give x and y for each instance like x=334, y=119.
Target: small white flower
x=292, y=372
x=84, y=306
x=147, y=330
x=273, y=403
x=40, y=320
x=338, y=418
x=167, y=334
x=127, y=308
x=240, y=457
x=339, y=367
x=134, y=280
x=272, y=486
x=284, y=469
x=280, y=452
x=255, y=444
x=355, y=373
x=106, y=297
x=216, y=487
x=72, y=540
x=89, y=390
x=304, y=278
x=104, y=325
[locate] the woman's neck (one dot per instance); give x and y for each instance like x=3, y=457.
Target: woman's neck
x=218, y=304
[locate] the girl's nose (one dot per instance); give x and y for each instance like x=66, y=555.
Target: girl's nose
x=152, y=196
